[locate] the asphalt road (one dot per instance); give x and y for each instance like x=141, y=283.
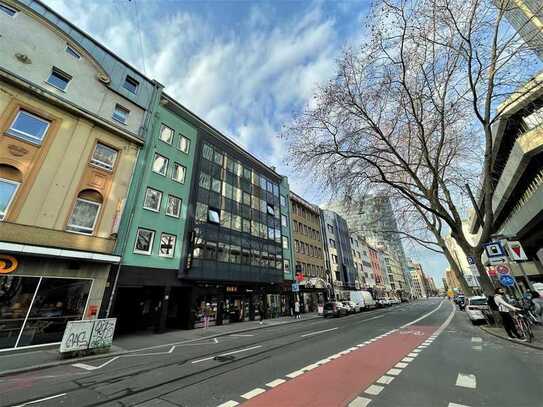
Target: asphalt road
x=422, y=354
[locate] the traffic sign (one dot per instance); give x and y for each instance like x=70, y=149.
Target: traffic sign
x=494, y=261
x=494, y=249
x=515, y=250
x=503, y=269
x=491, y=271
x=474, y=270
x=471, y=260
x=295, y=287
x=507, y=280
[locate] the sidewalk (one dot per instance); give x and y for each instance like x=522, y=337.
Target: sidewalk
x=18, y=361
x=537, y=342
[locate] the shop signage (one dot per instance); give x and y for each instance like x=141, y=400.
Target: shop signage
x=8, y=264
x=230, y=289
x=88, y=335
x=516, y=252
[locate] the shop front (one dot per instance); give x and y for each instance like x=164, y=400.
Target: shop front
x=40, y=295
x=313, y=293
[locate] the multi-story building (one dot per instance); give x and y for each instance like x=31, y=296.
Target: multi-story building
x=518, y=171
x=337, y=244
x=452, y=280
x=366, y=263
x=152, y=235
x=239, y=251
x=526, y=16
x=379, y=290
x=308, y=252
x=73, y=117
x=362, y=272
x=398, y=287
x=373, y=218
x=420, y=283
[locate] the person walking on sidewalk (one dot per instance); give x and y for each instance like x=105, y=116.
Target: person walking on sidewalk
x=207, y=314
x=505, y=312
x=296, y=309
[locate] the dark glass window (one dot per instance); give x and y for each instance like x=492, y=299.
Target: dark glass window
x=131, y=84
x=59, y=79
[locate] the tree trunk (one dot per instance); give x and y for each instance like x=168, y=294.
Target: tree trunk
x=456, y=270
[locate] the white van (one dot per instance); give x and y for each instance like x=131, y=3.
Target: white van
x=363, y=298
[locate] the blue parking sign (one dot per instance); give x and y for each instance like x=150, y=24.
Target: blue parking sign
x=295, y=287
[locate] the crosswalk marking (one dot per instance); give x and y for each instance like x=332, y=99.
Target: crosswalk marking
x=374, y=390
x=466, y=380
x=229, y=403
x=385, y=379
x=253, y=393
x=275, y=382
x=360, y=402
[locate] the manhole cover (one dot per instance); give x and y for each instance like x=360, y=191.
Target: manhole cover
x=226, y=358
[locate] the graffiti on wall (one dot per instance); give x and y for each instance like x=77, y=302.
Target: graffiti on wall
x=89, y=334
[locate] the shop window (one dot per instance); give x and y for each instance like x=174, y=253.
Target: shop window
x=85, y=212
x=59, y=79
x=144, y=241
x=152, y=200
x=166, y=134
x=174, y=206
x=160, y=164
x=120, y=114
x=29, y=127
x=167, y=245
x=57, y=301
x=104, y=156
x=184, y=144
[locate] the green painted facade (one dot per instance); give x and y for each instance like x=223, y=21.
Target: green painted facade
x=286, y=230
x=166, y=113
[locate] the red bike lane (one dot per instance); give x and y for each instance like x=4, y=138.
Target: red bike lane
x=341, y=380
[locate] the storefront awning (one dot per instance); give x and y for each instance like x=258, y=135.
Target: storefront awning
x=58, y=253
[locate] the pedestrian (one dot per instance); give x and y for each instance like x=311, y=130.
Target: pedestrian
x=505, y=312
x=261, y=311
x=207, y=312
x=297, y=310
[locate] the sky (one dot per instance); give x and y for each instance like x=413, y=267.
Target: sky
x=246, y=67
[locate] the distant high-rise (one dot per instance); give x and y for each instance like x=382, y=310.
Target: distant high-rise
x=526, y=16
x=373, y=218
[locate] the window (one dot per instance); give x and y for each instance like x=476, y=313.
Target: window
x=84, y=216
x=184, y=144
x=284, y=221
x=8, y=189
x=213, y=216
x=205, y=180
x=246, y=226
x=247, y=173
x=29, y=127
x=283, y=201
x=120, y=114
x=218, y=158
x=286, y=266
x=330, y=228
x=152, y=199
x=201, y=212
x=174, y=206
x=160, y=164
x=285, y=242
x=334, y=259
x=246, y=199
x=72, y=52
x=166, y=134
x=534, y=119
x=270, y=210
x=332, y=243
x=207, y=152
x=8, y=10
x=144, y=241
x=104, y=156
x=216, y=185
x=131, y=84
x=167, y=245
x=59, y=79
x=179, y=172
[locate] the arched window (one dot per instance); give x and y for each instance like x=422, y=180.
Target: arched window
x=10, y=180
x=85, y=213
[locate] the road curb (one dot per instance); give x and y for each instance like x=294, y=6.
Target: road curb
x=529, y=345
x=120, y=353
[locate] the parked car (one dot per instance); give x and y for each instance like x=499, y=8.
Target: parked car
x=352, y=306
x=334, y=309
x=475, y=308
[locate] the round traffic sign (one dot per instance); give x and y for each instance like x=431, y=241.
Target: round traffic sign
x=507, y=280
x=503, y=269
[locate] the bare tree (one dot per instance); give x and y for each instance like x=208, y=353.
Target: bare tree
x=410, y=113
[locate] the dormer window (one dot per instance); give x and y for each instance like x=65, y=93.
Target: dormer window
x=59, y=79
x=131, y=84
x=10, y=11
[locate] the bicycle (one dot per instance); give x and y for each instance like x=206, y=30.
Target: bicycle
x=523, y=323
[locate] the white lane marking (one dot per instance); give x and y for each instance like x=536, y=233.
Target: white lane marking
x=385, y=379
x=466, y=380
x=229, y=353
x=477, y=347
x=394, y=372
x=318, y=332
x=401, y=365
x=229, y=403
x=90, y=367
x=215, y=340
x=456, y=405
x=253, y=393
x=407, y=359
x=150, y=354
x=360, y=402
x=412, y=355
x=241, y=335
x=310, y=367
x=40, y=400
x=295, y=374
x=476, y=339
x=424, y=316
x=275, y=382
x=374, y=390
